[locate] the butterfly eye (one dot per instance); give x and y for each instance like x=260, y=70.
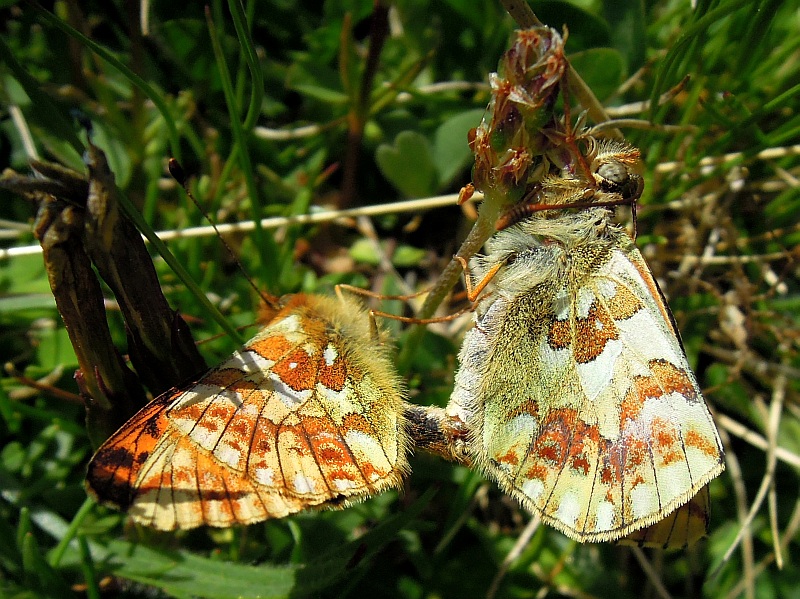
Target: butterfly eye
x=616, y=178
x=612, y=174
x=511, y=258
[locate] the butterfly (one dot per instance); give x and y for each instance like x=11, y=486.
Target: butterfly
x=309, y=413
x=573, y=384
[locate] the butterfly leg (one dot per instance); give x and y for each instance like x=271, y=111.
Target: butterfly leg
x=381, y=296
x=474, y=292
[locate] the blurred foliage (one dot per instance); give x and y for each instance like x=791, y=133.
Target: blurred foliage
x=262, y=103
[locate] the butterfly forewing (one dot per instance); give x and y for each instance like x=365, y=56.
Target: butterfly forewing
x=308, y=413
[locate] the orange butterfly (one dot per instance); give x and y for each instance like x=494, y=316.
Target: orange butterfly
x=309, y=413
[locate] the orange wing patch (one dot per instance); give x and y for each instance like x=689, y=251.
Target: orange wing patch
x=309, y=413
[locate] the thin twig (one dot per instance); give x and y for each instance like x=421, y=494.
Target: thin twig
x=283, y=221
x=768, y=154
x=651, y=573
x=751, y=362
x=641, y=124
x=788, y=537
x=745, y=434
x=522, y=542
x=42, y=385
x=776, y=407
x=725, y=260
x=617, y=112
x=740, y=495
x=296, y=132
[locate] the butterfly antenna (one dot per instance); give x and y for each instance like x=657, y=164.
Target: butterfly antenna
x=523, y=211
x=177, y=172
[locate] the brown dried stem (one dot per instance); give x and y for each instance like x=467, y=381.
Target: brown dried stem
x=81, y=227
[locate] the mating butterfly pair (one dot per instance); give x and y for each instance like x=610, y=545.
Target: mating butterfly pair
x=573, y=387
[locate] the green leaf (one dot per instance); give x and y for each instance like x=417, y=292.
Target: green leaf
x=628, y=31
x=43, y=111
x=38, y=574
x=24, y=275
x=404, y=256
x=13, y=456
x=54, y=348
x=19, y=303
x=408, y=164
x=325, y=94
x=451, y=153
x=586, y=30
x=119, y=159
x=363, y=251
x=183, y=574
x=603, y=69
x=316, y=81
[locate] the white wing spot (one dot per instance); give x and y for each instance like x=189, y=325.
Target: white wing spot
x=201, y=392
x=303, y=484
x=533, y=488
x=644, y=500
x=605, y=516
x=203, y=436
x=228, y=455
x=584, y=301
x=568, y=509
x=561, y=304
x=595, y=376
x=290, y=323
x=343, y=484
x=265, y=476
x=329, y=355
x=292, y=365
x=290, y=398
x=249, y=362
x=367, y=448
x=606, y=288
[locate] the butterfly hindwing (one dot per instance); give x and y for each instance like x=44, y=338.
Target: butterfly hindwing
x=308, y=413
x=579, y=398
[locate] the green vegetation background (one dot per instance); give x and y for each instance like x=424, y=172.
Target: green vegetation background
x=721, y=237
